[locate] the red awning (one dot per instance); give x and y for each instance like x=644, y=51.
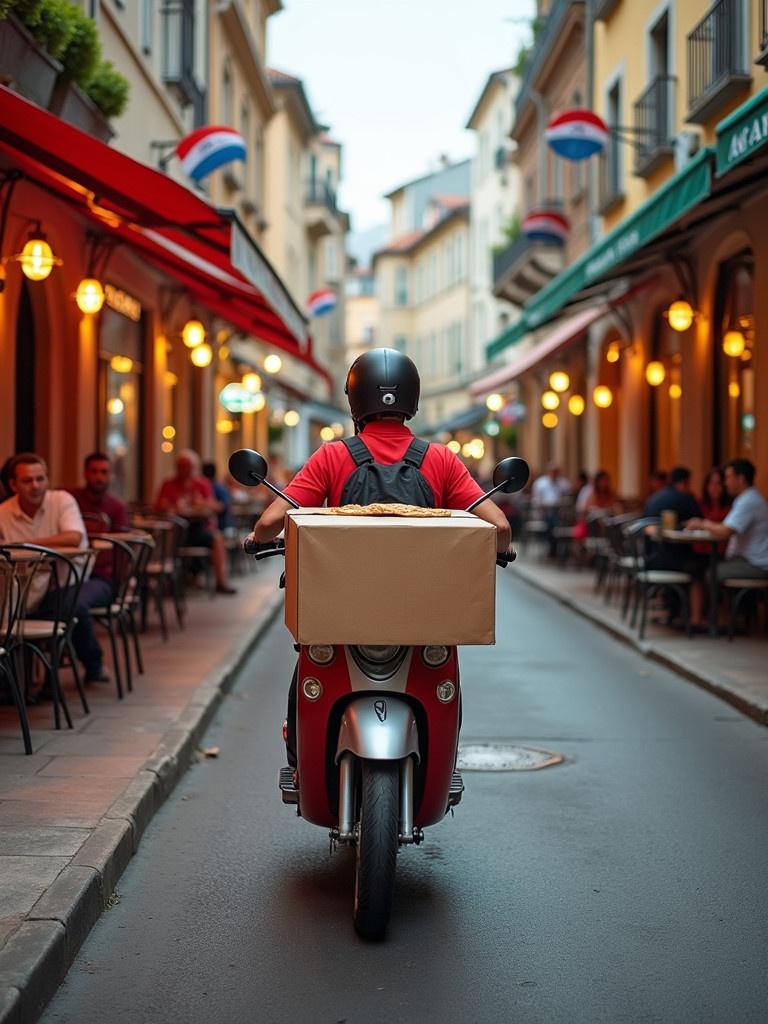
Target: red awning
x=564, y=332
x=205, y=249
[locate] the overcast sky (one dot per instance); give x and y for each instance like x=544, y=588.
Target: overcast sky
x=395, y=79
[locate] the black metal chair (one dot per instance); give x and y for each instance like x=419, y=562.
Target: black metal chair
x=15, y=578
x=739, y=589
x=645, y=581
x=114, y=617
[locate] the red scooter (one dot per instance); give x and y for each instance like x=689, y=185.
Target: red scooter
x=377, y=730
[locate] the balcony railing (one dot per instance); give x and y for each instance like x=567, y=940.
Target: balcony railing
x=717, y=61
x=653, y=124
x=603, y=9
x=178, y=54
x=763, y=55
x=319, y=193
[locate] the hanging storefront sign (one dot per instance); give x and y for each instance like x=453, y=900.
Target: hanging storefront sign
x=577, y=134
x=206, y=149
x=548, y=226
x=742, y=134
x=123, y=303
x=236, y=398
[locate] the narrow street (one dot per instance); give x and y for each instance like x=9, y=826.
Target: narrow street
x=627, y=884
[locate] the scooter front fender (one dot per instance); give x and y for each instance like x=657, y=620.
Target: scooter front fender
x=378, y=728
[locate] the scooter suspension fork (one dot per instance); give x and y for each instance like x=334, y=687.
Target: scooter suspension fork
x=406, y=800
x=346, y=797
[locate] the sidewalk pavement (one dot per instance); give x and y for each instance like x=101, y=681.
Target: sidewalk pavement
x=737, y=672
x=72, y=814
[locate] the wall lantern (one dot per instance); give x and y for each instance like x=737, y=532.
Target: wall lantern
x=89, y=295
x=655, y=373
x=251, y=382
x=273, y=363
x=193, y=334
x=550, y=400
x=291, y=418
x=675, y=391
x=734, y=344
x=602, y=396
x=680, y=315
x=549, y=420
x=201, y=355
x=576, y=405
x=614, y=352
x=494, y=402
x=559, y=381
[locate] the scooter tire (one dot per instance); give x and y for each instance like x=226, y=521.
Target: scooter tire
x=376, y=850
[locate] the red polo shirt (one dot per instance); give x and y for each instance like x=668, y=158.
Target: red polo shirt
x=328, y=469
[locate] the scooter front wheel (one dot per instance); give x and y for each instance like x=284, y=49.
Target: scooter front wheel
x=376, y=851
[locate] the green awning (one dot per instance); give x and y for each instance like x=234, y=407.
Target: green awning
x=742, y=133
x=675, y=198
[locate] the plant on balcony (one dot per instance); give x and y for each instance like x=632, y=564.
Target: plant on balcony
x=525, y=52
x=27, y=11
x=55, y=25
x=108, y=89
x=82, y=53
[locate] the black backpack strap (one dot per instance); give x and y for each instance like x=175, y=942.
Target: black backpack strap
x=417, y=449
x=358, y=450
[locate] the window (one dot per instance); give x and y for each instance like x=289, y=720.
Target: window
x=331, y=259
x=227, y=104
x=146, y=25
x=612, y=164
x=401, y=286
x=461, y=269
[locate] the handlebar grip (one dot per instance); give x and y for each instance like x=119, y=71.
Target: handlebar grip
x=504, y=559
x=263, y=549
x=250, y=547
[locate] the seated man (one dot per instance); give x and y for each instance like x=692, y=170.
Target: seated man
x=95, y=500
x=745, y=527
x=190, y=495
x=675, y=497
x=37, y=515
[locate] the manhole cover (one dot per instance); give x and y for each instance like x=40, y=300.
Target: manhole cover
x=504, y=757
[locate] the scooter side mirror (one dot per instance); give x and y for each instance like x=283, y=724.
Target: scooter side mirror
x=248, y=467
x=511, y=475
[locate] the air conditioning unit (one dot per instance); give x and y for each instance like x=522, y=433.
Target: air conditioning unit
x=687, y=145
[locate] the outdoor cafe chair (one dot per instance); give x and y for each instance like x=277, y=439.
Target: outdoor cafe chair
x=50, y=639
x=617, y=561
x=115, y=616
x=739, y=589
x=15, y=578
x=161, y=576
x=143, y=546
x=646, y=582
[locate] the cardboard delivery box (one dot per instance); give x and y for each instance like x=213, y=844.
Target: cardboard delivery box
x=389, y=580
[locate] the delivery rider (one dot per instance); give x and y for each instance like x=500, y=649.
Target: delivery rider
x=383, y=462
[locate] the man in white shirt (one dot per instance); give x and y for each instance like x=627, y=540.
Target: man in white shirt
x=548, y=493
x=745, y=527
x=37, y=515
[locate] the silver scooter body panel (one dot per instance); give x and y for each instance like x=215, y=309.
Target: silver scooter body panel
x=378, y=728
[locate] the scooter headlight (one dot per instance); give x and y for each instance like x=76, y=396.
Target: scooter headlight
x=379, y=655
x=435, y=655
x=321, y=654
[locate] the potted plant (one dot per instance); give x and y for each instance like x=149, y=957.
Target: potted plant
x=80, y=59
x=25, y=66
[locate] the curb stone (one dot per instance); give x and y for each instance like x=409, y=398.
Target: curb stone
x=752, y=709
x=36, y=957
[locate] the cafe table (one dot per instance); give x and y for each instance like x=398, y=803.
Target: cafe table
x=700, y=537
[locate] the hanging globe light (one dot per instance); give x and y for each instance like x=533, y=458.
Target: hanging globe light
x=549, y=420
x=614, y=352
x=680, y=315
x=576, y=405
x=559, y=381
x=193, y=334
x=37, y=259
x=602, y=396
x=494, y=403
x=734, y=344
x=201, y=355
x=273, y=363
x=251, y=382
x=550, y=400
x=89, y=295
x=655, y=373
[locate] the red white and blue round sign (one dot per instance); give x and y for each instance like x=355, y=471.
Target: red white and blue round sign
x=577, y=134
x=547, y=226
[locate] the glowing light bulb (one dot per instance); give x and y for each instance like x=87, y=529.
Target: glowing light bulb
x=37, y=259
x=559, y=381
x=115, y=406
x=169, y=432
x=680, y=315
x=549, y=420
x=576, y=405
x=201, y=355
x=734, y=389
x=193, y=334
x=675, y=391
x=453, y=446
x=291, y=418
x=327, y=434
x=655, y=373
x=550, y=400
x=602, y=396
x=273, y=363
x=121, y=364
x=734, y=344
x=251, y=382
x=614, y=352
x=494, y=402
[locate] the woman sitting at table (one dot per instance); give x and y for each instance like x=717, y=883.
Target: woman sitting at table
x=715, y=505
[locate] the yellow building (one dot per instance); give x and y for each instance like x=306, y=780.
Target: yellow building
x=422, y=285
x=679, y=190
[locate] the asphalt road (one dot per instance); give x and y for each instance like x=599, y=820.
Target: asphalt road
x=627, y=885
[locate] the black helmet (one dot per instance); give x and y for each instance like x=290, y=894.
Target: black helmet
x=382, y=381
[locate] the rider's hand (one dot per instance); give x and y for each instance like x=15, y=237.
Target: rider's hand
x=503, y=558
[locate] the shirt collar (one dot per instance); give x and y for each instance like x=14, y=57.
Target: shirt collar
x=383, y=427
